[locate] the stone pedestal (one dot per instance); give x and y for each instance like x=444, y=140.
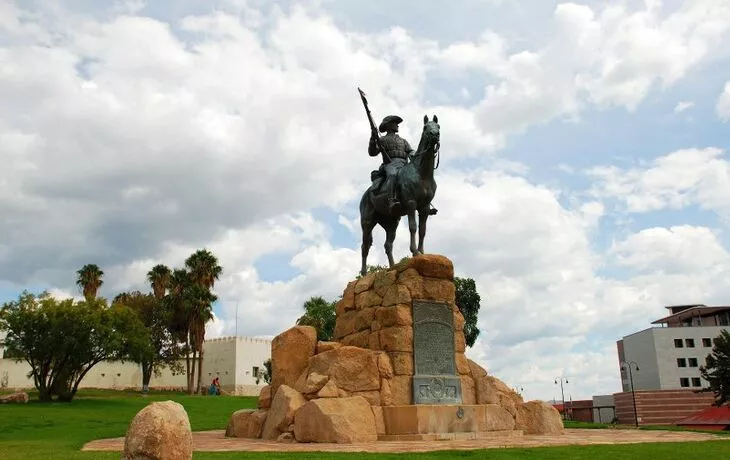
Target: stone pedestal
x=396, y=370
x=410, y=313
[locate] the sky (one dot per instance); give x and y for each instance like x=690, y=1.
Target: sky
x=583, y=183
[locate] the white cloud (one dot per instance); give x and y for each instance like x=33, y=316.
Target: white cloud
x=214, y=328
x=682, y=106
x=674, y=181
x=723, y=103
x=678, y=249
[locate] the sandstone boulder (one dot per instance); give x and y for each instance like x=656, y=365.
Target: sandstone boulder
x=330, y=390
x=290, y=352
x=538, y=417
x=15, y=398
x=498, y=418
x=326, y=346
x=352, y=368
x=160, y=431
x=311, y=382
x=432, y=266
x=246, y=423
x=285, y=403
x=265, y=397
x=338, y=420
x=491, y=390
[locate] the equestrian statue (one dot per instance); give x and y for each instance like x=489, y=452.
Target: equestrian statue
x=402, y=185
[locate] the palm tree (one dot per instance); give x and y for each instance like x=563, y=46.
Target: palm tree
x=159, y=278
x=199, y=312
x=204, y=270
x=177, y=302
x=89, y=280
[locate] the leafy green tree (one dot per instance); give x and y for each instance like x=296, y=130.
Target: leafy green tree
x=320, y=314
x=89, y=279
x=62, y=340
x=717, y=368
x=468, y=301
x=162, y=350
x=159, y=278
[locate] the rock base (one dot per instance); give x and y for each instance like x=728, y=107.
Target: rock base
x=361, y=387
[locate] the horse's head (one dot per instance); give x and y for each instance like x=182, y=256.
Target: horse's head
x=428, y=148
x=431, y=131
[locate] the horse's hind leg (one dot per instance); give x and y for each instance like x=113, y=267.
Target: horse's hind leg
x=390, y=230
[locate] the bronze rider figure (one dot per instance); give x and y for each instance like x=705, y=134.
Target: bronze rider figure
x=396, y=152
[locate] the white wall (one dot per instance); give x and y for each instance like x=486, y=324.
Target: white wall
x=231, y=359
x=219, y=361
x=108, y=374
x=250, y=353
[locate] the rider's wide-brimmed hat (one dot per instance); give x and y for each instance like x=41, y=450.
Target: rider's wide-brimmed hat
x=389, y=120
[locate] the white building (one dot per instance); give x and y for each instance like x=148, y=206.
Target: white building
x=234, y=360
x=669, y=356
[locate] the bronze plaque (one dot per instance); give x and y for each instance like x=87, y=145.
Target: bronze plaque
x=435, y=380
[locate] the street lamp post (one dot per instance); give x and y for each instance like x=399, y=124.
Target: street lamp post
x=562, y=392
x=633, y=394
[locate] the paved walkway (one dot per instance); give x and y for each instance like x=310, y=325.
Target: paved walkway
x=215, y=441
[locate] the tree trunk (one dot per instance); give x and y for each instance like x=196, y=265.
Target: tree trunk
x=191, y=377
x=187, y=361
x=146, y=376
x=200, y=368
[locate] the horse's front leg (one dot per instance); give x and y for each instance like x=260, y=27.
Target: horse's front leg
x=422, y=218
x=367, y=241
x=412, y=229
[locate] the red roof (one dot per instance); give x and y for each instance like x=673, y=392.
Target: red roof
x=711, y=416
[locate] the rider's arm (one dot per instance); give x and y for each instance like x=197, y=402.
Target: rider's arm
x=409, y=150
x=373, y=147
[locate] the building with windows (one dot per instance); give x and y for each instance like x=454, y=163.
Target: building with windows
x=665, y=360
x=669, y=355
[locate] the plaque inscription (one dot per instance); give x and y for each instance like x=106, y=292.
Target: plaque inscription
x=436, y=380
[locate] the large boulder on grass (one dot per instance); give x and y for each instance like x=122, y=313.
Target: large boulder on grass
x=15, y=398
x=160, y=431
x=538, y=417
x=246, y=423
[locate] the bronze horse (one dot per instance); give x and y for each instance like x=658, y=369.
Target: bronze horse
x=416, y=188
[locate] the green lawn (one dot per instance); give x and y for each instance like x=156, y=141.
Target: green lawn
x=58, y=430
